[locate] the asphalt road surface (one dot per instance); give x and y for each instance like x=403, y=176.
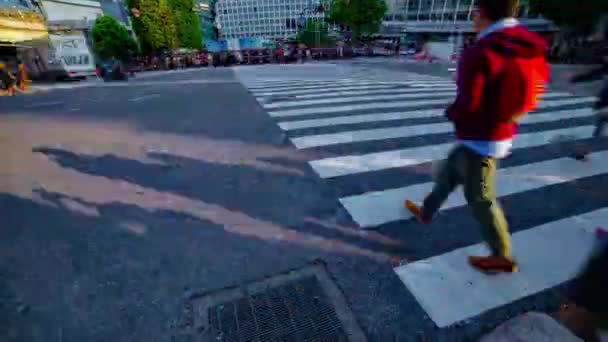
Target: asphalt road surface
x=122, y=204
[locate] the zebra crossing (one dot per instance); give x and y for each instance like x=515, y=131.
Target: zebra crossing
x=366, y=130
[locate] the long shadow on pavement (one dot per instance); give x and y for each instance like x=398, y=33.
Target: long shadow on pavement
x=298, y=202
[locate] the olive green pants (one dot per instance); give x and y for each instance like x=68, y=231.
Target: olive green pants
x=477, y=175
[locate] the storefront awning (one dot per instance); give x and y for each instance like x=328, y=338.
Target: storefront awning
x=19, y=27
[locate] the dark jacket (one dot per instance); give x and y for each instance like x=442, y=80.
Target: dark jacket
x=497, y=83
x=597, y=74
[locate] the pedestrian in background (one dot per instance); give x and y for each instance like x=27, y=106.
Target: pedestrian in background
x=497, y=85
x=22, y=78
x=7, y=80
x=601, y=105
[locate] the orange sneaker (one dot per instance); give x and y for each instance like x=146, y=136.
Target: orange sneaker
x=417, y=212
x=493, y=264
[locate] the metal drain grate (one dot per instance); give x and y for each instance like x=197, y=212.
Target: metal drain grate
x=302, y=305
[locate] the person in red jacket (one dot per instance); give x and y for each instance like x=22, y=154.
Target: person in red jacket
x=498, y=82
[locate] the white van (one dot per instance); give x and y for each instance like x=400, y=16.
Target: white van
x=70, y=56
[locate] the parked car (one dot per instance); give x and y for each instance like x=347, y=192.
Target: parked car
x=113, y=71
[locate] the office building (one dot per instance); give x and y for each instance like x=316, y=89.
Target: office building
x=270, y=19
x=206, y=17
x=443, y=16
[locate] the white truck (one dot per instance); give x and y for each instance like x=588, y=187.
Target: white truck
x=70, y=56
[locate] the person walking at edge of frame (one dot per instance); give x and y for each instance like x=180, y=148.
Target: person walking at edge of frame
x=601, y=106
x=497, y=82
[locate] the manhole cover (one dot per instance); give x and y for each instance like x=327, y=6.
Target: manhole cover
x=302, y=305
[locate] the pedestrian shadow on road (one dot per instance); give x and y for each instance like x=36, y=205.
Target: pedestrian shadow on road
x=301, y=203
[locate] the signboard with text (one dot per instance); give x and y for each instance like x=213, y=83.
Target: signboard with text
x=71, y=52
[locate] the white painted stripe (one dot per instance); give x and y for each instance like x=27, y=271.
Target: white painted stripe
x=297, y=86
x=346, y=165
x=342, y=84
x=316, y=91
x=406, y=104
x=301, y=83
x=143, y=97
x=377, y=117
x=548, y=255
x=364, y=118
x=426, y=93
x=380, y=207
x=340, y=92
x=418, y=130
x=366, y=106
x=292, y=81
x=44, y=104
x=330, y=101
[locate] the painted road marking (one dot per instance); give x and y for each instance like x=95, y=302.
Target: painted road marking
x=375, y=208
x=44, y=104
x=330, y=101
x=393, y=90
x=364, y=118
x=418, y=130
x=409, y=104
x=347, y=165
x=549, y=255
x=361, y=88
x=342, y=84
x=143, y=97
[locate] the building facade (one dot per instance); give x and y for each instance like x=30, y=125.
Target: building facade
x=118, y=10
x=23, y=35
x=269, y=19
x=443, y=17
x=206, y=18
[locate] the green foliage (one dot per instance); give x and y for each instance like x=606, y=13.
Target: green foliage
x=362, y=16
x=155, y=27
x=315, y=34
x=187, y=24
x=111, y=39
x=580, y=15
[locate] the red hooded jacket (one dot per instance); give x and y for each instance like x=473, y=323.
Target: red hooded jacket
x=498, y=82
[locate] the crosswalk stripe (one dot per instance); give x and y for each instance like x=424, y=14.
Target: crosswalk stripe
x=329, y=89
x=375, y=208
x=549, y=255
x=347, y=165
x=296, y=84
x=405, y=104
x=331, y=101
x=266, y=83
x=365, y=118
x=315, y=85
x=349, y=108
x=417, y=130
x=340, y=92
x=338, y=84
x=427, y=93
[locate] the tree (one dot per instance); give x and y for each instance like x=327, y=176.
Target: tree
x=187, y=24
x=362, y=16
x=155, y=25
x=579, y=15
x=315, y=33
x=111, y=39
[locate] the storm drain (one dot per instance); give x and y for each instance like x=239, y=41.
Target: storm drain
x=302, y=305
